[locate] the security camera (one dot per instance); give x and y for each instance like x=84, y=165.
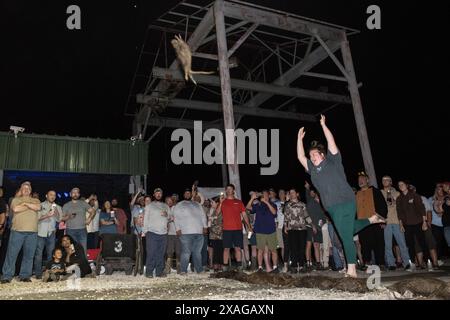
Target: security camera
x=133, y=140
x=16, y=130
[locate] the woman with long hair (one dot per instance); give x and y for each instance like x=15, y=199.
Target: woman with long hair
x=328, y=176
x=108, y=220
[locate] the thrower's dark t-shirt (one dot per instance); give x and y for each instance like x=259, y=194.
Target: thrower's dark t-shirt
x=329, y=179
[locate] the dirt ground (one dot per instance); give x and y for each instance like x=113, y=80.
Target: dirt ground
x=203, y=287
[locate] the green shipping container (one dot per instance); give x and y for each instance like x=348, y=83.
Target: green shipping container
x=35, y=152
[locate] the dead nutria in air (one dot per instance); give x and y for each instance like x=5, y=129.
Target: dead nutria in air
x=184, y=55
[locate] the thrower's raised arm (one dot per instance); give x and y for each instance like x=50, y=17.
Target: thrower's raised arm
x=332, y=147
x=301, y=150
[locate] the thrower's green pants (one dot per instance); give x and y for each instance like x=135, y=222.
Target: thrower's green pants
x=343, y=216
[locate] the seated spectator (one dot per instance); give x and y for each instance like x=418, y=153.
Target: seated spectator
x=108, y=220
x=55, y=268
x=74, y=255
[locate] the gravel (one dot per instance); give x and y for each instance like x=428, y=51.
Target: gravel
x=173, y=287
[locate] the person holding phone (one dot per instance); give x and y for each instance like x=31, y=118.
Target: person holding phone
x=108, y=220
x=156, y=219
x=48, y=216
x=74, y=215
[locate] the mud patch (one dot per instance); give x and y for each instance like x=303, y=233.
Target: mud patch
x=424, y=287
x=287, y=281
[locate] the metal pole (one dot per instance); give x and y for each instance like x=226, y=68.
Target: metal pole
x=357, y=110
x=224, y=168
x=227, y=102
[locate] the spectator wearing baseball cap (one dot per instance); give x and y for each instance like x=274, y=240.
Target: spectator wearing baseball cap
x=156, y=220
x=191, y=225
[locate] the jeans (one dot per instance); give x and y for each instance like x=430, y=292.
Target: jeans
x=79, y=235
x=191, y=244
x=173, y=247
x=49, y=244
x=447, y=235
x=156, y=244
x=338, y=263
x=17, y=241
x=205, y=251
x=394, y=230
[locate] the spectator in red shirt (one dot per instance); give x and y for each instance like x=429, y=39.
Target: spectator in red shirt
x=233, y=211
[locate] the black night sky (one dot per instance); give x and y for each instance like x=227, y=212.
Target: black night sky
x=57, y=81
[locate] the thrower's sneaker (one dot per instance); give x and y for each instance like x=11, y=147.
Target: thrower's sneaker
x=440, y=263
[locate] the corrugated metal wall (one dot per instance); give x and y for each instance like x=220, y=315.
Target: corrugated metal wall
x=68, y=154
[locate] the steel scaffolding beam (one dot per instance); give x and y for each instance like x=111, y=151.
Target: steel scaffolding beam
x=177, y=123
x=227, y=100
x=358, y=112
x=279, y=21
x=272, y=89
x=263, y=30
x=313, y=59
x=217, y=107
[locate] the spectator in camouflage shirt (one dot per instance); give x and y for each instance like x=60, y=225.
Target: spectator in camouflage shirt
x=215, y=234
x=296, y=222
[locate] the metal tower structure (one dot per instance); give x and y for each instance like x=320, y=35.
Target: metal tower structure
x=261, y=57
